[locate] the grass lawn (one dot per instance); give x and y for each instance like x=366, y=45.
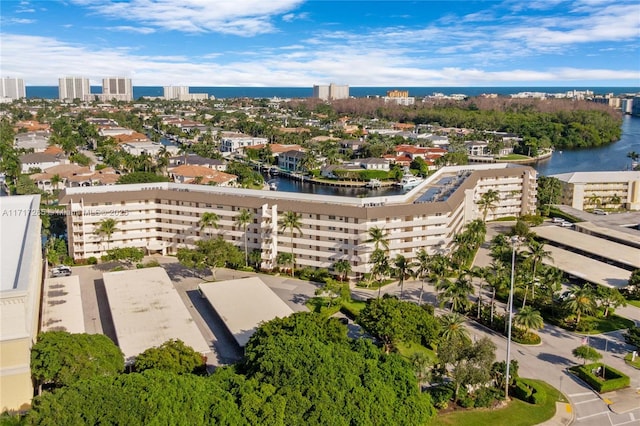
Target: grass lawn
x=408, y=349
x=635, y=303
x=604, y=325
x=353, y=306
x=634, y=364
x=373, y=285
x=320, y=305
x=517, y=413
x=514, y=157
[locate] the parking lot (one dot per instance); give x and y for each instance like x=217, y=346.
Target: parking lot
x=97, y=314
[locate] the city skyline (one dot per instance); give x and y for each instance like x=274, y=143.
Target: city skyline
x=296, y=43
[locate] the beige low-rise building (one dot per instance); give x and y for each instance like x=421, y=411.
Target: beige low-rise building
x=591, y=190
x=166, y=216
x=20, y=291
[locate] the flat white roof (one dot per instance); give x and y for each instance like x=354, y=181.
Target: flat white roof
x=62, y=305
x=591, y=244
x=16, y=212
x=147, y=311
x=598, y=177
x=244, y=304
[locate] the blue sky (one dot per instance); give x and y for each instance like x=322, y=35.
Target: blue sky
x=300, y=43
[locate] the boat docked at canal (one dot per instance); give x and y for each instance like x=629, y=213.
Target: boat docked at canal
x=409, y=181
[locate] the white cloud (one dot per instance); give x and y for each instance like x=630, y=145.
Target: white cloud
x=238, y=17
x=289, y=17
x=130, y=29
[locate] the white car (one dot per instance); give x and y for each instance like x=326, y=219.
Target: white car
x=60, y=271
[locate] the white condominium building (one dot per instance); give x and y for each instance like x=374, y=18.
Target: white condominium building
x=117, y=88
x=162, y=217
x=12, y=89
x=174, y=92
x=589, y=190
x=331, y=92
x=70, y=88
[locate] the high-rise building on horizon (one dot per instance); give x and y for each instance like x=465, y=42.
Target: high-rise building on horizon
x=174, y=92
x=331, y=92
x=117, y=88
x=70, y=88
x=12, y=89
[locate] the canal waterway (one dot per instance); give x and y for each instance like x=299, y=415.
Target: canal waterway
x=612, y=157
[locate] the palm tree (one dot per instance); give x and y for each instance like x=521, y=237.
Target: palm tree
x=292, y=222
x=378, y=237
x=594, y=200
x=497, y=278
x=106, y=228
x=537, y=254
x=55, y=181
x=209, y=220
x=456, y=293
x=284, y=258
x=488, y=202
x=581, y=301
x=453, y=328
x=243, y=219
x=402, y=271
x=615, y=198
x=423, y=269
x=529, y=319
x=380, y=266
x=342, y=267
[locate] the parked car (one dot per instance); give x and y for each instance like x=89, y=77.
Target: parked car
x=599, y=212
x=557, y=220
x=566, y=224
x=60, y=271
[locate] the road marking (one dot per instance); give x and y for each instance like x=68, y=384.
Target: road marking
x=580, y=394
x=626, y=423
x=592, y=415
x=568, y=408
x=588, y=400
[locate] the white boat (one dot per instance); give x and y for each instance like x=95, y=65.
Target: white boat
x=373, y=184
x=273, y=186
x=409, y=181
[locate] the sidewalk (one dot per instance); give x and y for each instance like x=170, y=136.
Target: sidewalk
x=623, y=400
x=564, y=415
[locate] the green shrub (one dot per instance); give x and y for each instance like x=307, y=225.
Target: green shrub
x=349, y=311
x=485, y=397
x=538, y=395
x=441, y=396
x=465, y=400
x=613, y=379
x=521, y=390
x=525, y=337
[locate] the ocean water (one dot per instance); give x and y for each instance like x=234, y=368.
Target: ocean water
x=51, y=92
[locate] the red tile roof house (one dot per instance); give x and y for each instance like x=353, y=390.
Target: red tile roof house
x=200, y=174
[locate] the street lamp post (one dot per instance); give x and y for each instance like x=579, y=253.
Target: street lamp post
x=514, y=242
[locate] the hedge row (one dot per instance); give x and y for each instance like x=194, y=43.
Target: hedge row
x=613, y=380
x=528, y=390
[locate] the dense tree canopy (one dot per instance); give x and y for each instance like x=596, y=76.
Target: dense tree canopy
x=298, y=370
x=63, y=358
x=391, y=321
x=172, y=356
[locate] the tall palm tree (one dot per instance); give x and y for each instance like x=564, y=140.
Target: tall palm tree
x=453, y=328
x=106, y=228
x=378, y=237
x=488, y=202
x=529, y=319
x=381, y=267
x=209, y=220
x=537, y=254
x=457, y=294
x=402, y=270
x=581, y=301
x=55, y=181
x=497, y=277
x=293, y=222
x=243, y=219
x=342, y=267
x=423, y=269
